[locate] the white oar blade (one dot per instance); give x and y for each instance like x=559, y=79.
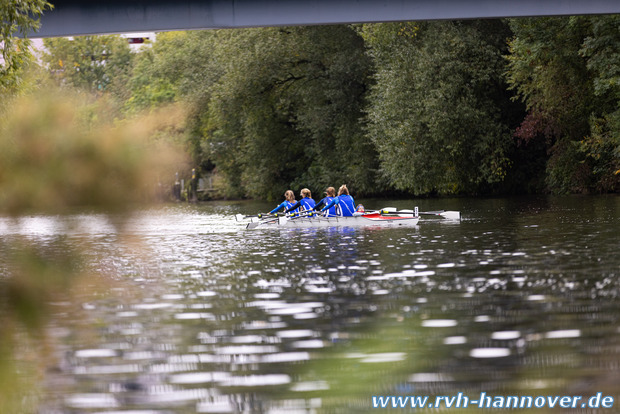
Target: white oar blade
x=239, y=217
x=282, y=220
x=451, y=215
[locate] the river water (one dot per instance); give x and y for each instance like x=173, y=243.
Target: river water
x=521, y=297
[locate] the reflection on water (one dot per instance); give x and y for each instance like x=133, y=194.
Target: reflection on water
x=519, y=298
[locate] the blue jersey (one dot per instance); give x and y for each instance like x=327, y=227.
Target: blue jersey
x=305, y=203
x=331, y=211
x=283, y=205
x=345, y=206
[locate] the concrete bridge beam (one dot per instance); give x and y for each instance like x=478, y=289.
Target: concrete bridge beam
x=83, y=17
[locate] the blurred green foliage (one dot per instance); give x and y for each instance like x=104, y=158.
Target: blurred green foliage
x=60, y=151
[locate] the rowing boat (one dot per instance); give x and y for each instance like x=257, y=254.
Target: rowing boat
x=387, y=217
x=362, y=220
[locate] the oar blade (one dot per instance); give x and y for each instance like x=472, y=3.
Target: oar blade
x=451, y=215
x=239, y=217
x=448, y=215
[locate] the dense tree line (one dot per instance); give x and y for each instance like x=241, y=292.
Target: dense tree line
x=439, y=113
x=567, y=71
x=422, y=108
x=271, y=108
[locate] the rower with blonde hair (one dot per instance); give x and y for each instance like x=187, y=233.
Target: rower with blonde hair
x=330, y=194
x=306, y=202
x=344, y=203
x=289, y=197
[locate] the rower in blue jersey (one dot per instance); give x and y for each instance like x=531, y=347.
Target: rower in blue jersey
x=287, y=203
x=306, y=202
x=330, y=193
x=345, y=206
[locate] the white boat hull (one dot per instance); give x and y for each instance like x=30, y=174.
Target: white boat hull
x=365, y=220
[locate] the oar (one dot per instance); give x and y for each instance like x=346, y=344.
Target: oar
x=282, y=220
x=254, y=224
x=449, y=215
x=390, y=210
x=241, y=217
x=267, y=218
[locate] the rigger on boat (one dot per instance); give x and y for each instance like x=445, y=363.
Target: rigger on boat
x=386, y=217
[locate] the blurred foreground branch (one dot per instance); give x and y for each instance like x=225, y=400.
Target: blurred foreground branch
x=60, y=153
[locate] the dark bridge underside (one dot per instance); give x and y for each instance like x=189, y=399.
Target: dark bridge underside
x=79, y=17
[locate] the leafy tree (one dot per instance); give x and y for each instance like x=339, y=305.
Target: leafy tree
x=271, y=108
x=438, y=110
x=301, y=92
x=181, y=67
x=249, y=129
x=602, y=147
x=566, y=71
x=147, y=89
x=17, y=17
x=548, y=73
x=92, y=63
